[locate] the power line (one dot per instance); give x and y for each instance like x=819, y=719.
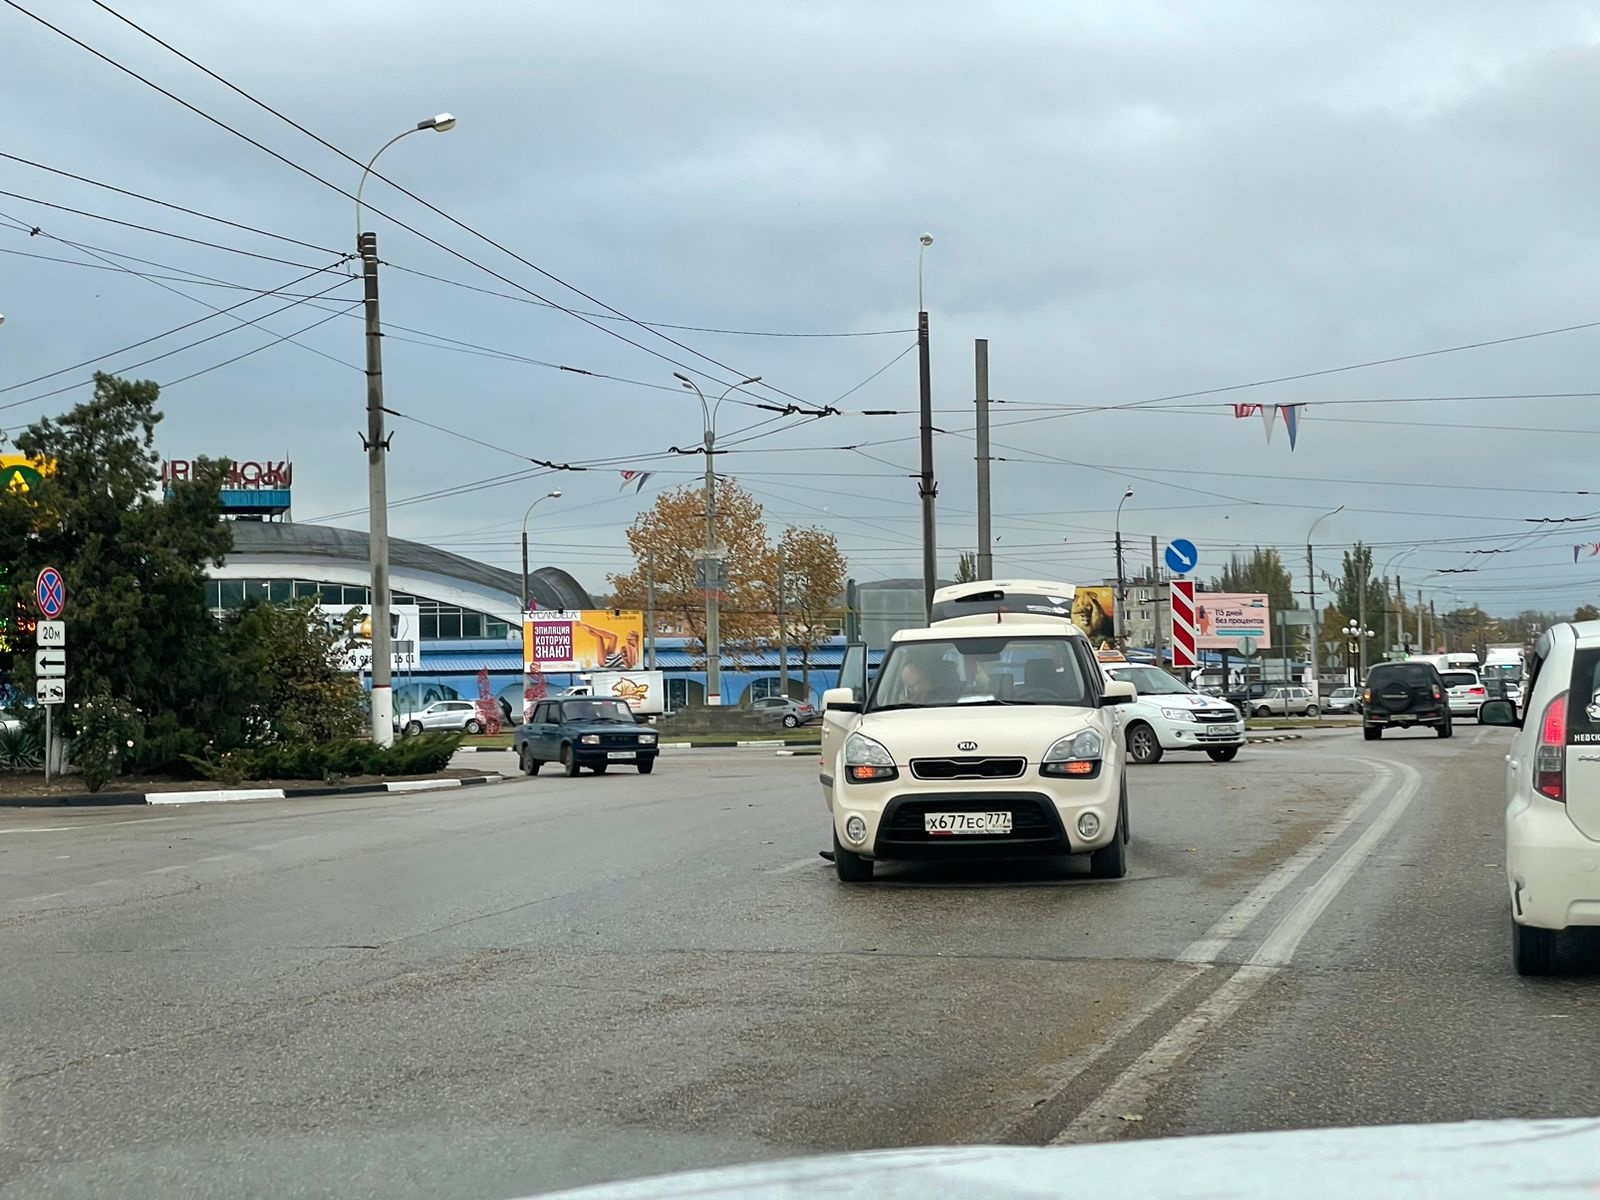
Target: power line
x=108, y=60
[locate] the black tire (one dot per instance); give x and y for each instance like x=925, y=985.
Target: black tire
x=1313, y=711
x=1144, y=747
x=1446, y=729
x=599, y=768
x=1111, y=860
x=474, y=726
x=1372, y=732
x=530, y=765
x=1122, y=820
x=569, y=761
x=646, y=765
x=790, y=720
x=1533, y=950
x=850, y=866
x=1223, y=753
x=414, y=728
x=1263, y=711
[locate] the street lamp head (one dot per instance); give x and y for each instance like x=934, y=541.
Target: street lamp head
x=752, y=379
x=1128, y=495
x=555, y=495
x=679, y=375
x=926, y=239
x=443, y=123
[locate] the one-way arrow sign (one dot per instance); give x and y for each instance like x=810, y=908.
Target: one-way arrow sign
x=49, y=664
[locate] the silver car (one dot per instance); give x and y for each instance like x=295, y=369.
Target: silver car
x=1343, y=700
x=1285, y=702
x=783, y=711
x=442, y=714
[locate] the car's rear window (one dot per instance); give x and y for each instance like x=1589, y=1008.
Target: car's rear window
x=1412, y=673
x=1583, y=699
x=1458, y=678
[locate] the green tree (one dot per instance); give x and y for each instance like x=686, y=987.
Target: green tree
x=1263, y=571
x=967, y=567
x=285, y=677
x=813, y=578
x=134, y=562
x=1347, y=591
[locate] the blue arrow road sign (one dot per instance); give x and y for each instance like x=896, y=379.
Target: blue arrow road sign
x=1181, y=556
x=52, y=592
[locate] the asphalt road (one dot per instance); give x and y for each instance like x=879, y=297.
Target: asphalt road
x=504, y=990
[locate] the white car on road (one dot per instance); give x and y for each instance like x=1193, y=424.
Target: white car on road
x=1553, y=781
x=1466, y=692
x=1169, y=715
x=442, y=714
x=988, y=736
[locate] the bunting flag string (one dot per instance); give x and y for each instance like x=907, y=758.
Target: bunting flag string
x=1269, y=413
x=637, y=478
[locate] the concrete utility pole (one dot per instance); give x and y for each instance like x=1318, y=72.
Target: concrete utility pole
x=1155, y=600
x=650, y=612
x=926, y=486
x=783, y=632
x=985, y=540
x=712, y=575
x=1361, y=606
x=377, y=445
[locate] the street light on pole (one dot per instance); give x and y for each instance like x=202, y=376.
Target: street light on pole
x=1311, y=574
x=522, y=623
x=713, y=581
x=1122, y=588
x=1397, y=558
x=377, y=446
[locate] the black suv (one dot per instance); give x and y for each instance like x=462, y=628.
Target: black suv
x=1404, y=694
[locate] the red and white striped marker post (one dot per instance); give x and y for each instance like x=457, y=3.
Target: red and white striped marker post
x=1184, y=625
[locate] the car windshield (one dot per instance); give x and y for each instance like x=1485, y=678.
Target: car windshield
x=987, y=670
x=596, y=710
x=1459, y=678
x=1151, y=681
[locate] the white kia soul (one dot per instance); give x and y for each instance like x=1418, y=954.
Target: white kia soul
x=1553, y=781
x=987, y=736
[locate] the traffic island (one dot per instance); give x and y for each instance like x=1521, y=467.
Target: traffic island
x=69, y=792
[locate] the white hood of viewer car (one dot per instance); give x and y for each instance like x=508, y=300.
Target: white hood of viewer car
x=1477, y=1160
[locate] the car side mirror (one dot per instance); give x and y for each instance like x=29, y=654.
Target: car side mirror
x=1499, y=712
x=840, y=699
x=1119, y=692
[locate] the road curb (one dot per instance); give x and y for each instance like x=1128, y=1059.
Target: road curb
x=223, y=795
x=1272, y=737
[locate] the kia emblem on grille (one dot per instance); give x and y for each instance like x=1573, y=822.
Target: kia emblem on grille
x=966, y=747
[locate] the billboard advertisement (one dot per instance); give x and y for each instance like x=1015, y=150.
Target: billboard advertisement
x=583, y=640
x=1094, y=610
x=405, y=624
x=1222, y=618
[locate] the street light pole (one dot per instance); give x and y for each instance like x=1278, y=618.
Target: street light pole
x=377, y=445
x=1399, y=556
x=522, y=622
x=1122, y=586
x=1311, y=574
x=713, y=582
x=926, y=486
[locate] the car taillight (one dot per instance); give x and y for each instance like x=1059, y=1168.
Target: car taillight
x=1550, y=757
x=1478, y=691
x=1437, y=694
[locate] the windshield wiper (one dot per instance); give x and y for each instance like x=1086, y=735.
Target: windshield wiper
x=902, y=704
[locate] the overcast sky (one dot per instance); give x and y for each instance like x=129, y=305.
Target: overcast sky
x=1128, y=200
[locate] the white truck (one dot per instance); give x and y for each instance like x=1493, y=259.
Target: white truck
x=645, y=692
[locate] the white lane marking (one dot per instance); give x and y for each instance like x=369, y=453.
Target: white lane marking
x=1233, y=922
x=421, y=785
x=1131, y=1091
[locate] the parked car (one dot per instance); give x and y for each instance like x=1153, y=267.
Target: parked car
x=781, y=710
x=1553, y=788
x=582, y=732
x=1343, y=700
x=1466, y=692
x=1285, y=702
x=1403, y=694
x=441, y=714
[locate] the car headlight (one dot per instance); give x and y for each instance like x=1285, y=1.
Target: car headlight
x=1077, y=755
x=590, y=739
x=867, y=761
x=647, y=739
x=1178, y=714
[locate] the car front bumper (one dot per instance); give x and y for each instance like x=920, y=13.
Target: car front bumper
x=1198, y=735
x=1045, y=812
x=1552, y=869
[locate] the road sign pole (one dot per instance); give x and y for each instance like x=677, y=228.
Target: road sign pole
x=48, y=709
